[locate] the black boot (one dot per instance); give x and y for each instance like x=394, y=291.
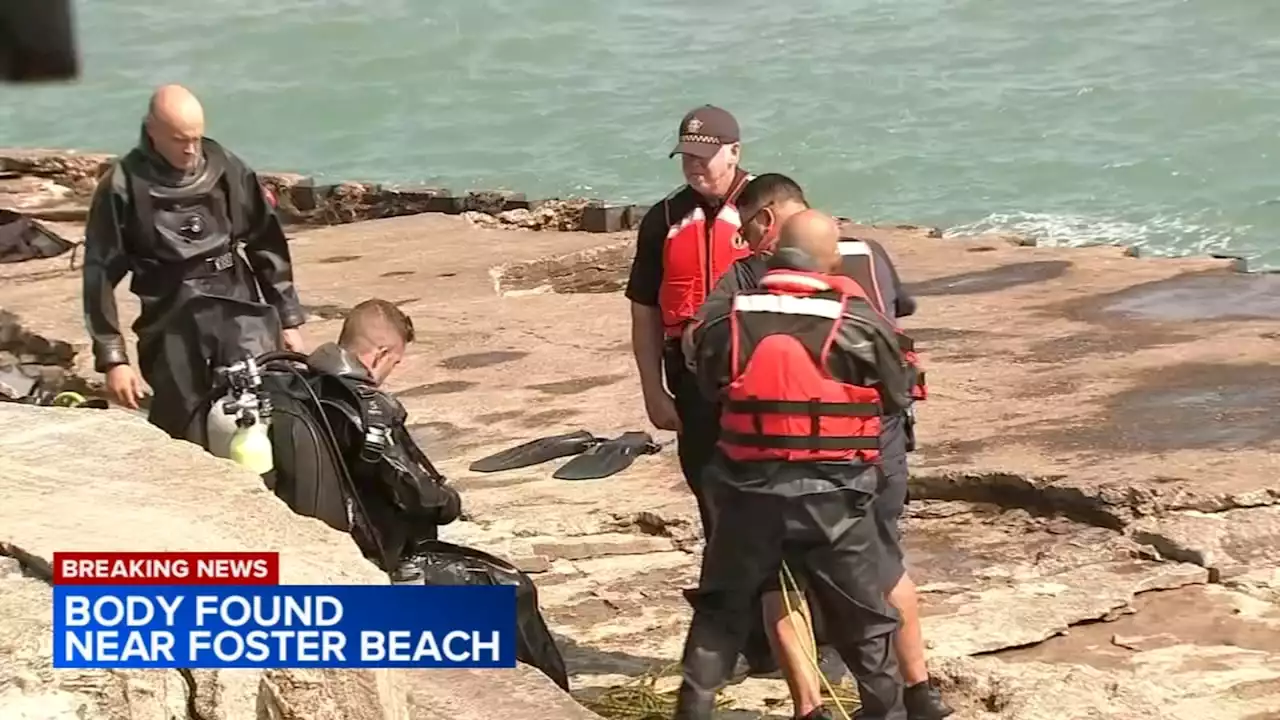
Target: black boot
x=818, y=713
x=924, y=702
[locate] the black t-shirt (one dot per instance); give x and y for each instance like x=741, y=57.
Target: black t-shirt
x=646, y=269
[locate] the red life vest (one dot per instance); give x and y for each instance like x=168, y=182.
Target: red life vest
x=782, y=402
x=695, y=256
x=858, y=263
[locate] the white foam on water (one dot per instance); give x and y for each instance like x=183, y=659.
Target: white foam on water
x=1158, y=236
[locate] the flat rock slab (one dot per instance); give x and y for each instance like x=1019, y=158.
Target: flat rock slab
x=1062, y=381
x=106, y=480
x=1221, y=659
x=1232, y=543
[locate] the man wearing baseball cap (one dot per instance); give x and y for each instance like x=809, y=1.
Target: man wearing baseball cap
x=684, y=244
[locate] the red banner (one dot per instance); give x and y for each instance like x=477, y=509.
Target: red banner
x=166, y=568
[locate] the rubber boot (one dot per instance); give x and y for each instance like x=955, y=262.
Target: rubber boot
x=819, y=713
x=924, y=702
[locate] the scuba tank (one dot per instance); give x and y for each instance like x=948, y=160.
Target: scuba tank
x=239, y=423
x=221, y=425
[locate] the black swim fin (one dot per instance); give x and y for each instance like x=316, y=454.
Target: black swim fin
x=537, y=451
x=608, y=458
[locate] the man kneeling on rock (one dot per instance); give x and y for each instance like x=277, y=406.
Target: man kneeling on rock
x=377, y=484
x=806, y=369
x=373, y=480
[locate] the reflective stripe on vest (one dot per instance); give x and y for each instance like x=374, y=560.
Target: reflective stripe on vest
x=858, y=256
x=782, y=404
x=693, y=260
x=859, y=264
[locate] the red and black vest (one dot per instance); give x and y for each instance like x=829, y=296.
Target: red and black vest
x=782, y=402
x=859, y=263
x=696, y=253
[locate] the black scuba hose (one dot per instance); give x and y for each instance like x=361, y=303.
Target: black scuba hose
x=220, y=385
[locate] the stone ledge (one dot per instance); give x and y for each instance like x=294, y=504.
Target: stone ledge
x=594, y=270
x=177, y=497
x=26, y=357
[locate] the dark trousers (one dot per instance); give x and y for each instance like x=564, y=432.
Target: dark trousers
x=833, y=539
x=699, y=428
x=696, y=445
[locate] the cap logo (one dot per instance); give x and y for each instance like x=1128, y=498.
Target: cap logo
x=694, y=125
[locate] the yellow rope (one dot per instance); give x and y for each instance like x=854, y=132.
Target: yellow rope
x=640, y=699
x=811, y=652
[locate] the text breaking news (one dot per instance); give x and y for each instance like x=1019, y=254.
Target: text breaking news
x=139, y=611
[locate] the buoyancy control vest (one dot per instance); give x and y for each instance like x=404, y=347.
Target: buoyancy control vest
x=783, y=402
x=860, y=264
x=696, y=253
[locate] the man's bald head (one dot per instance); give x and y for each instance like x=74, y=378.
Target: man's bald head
x=175, y=124
x=814, y=235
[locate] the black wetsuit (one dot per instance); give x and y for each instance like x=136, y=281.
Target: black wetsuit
x=210, y=265
x=406, y=500
x=819, y=517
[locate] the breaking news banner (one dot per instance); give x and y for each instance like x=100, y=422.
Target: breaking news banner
x=215, y=610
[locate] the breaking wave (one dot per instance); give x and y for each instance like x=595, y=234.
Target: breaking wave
x=1161, y=236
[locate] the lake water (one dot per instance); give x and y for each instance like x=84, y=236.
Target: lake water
x=1142, y=122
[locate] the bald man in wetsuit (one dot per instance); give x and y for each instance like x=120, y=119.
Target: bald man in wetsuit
x=787, y=494
x=209, y=262
x=767, y=203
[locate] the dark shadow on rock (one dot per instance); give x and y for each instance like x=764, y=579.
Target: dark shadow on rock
x=444, y=387
x=1214, y=295
x=436, y=438
x=577, y=385
x=549, y=417
x=398, y=273
x=511, y=478
x=992, y=280
x=497, y=417
x=581, y=659
x=473, y=361
x=339, y=259
x=1196, y=406
x=327, y=312
x=1103, y=343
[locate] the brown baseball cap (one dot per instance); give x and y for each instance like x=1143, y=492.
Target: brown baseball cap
x=703, y=130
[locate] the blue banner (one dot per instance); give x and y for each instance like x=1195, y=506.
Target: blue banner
x=284, y=626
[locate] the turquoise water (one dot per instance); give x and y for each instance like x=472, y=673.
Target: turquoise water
x=1143, y=122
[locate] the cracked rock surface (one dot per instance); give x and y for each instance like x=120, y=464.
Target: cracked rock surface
x=1093, y=526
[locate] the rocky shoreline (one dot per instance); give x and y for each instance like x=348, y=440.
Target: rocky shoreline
x=1095, y=521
